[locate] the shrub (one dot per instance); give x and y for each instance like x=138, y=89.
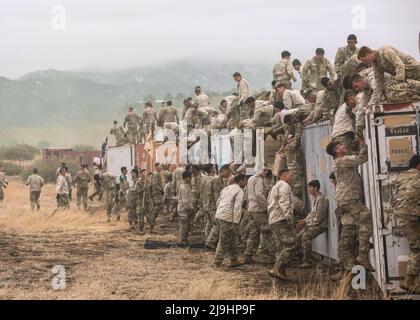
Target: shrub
x=19, y=152
x=11, y=169
x=83, y=148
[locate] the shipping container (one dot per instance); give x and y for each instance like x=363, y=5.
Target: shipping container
x=390, y=135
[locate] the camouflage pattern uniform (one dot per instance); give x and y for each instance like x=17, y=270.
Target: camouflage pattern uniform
x=169, y=199
x=342, y=56
x=132, y=201
x=206, y=196
x=35, y=183
x=120, y=136
x=295, y=160
x=3, y=184
x=132, y=121
x=110, y=188
x=149, y=121
x=281, y=221
x=259, y=231
x=228, y=215
x=316, y=223
x=283, y=72
x=216, y=186
x=356, y=220
x=397, y=63
x=157, y=194
x=82, y=180
x=407, y=214
x=176, y=182
x=185, y=211
x=144, y=205
x=121, y=198
x=315, y=70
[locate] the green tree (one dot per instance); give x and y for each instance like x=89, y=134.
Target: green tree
x=19, y=152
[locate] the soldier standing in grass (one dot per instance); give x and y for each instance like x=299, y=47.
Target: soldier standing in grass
x=132, y=200
x=144, y=204
x=35, y=183
x=62, y=190
x=110, y=188
x=186, y=204
x=82, y=180
x=228, y=215
x=157, y=190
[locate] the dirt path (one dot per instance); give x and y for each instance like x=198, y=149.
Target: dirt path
x=105, y=261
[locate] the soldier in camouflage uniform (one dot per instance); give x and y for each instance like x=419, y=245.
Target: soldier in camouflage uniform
x=283, y=71
x=217, y=184
x=157, y=190
x=259, y=232
x=149, y=119
x=206, y=195
x=110, y=189
x=82, y=180
x=186, y=204
x=355, y=219
x=295, y=160
x=407, y=214
x=168, y=114
x=132, y=121
x=122, y=190
x=228, y=215
x=345, y=53
x=144, y=205
x=281, y=221
x=120, y=136
x=317, y=68
x=176, y=183
x=132, y=200
x=315, y=223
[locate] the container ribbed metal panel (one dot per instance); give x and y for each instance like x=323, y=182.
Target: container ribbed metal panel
x=318, y=166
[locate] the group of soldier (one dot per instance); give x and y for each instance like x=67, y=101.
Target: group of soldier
x=266, y=211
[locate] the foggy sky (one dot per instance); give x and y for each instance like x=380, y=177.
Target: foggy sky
x=104, y=35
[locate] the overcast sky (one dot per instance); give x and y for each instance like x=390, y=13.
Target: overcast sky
x=104, y=35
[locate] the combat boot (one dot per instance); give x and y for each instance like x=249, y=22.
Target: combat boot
x=140, y=232
x=363, y=260
x=91, y=198
x=236, y=263
x=278, y=273
x=118, y=218
x=307, y=262
x=410, y=284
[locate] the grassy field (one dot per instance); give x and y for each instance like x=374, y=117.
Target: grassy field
x=104, y=261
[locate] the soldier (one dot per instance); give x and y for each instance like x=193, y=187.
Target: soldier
x=345, y=53
x=176, y=183
x=259, y=231
x=57, y=172
x=217, y=183
x=407, y=214
x=244, y=92
x=69, y=181
x=35, y=183
x=387, y=59
x=344, y=123
x=169, y=197
x=283, y=71
x=149, y=119
x=228, y=215
x=120, y=135
x=201, y=100
x=297, y=65
x=3, y=184
x=327, y=100
x=355, y=219
x=62, y=190
x=281, y=221
x=132, y=121
x=185, y=208
x=291, y=98
x=317, y=68
x=97, y=183
x=144, y=205
x=132, y=200
x=315, y=223
x=295, y=159
x=82, y=180
x=168, y=114
x=206, y=195
x=122, y=188
x=196, y=179
x=110, y=189
x=157, y=190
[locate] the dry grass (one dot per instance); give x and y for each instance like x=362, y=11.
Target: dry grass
x=104, y=261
